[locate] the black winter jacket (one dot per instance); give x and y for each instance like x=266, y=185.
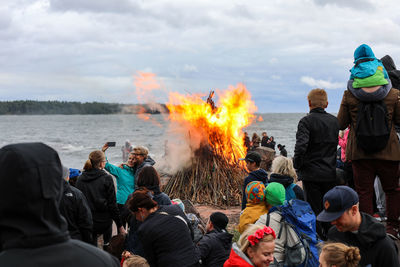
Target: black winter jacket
x=257, y=175
x=376, y=248
x=99, y=190
x=167, y=240
x=32, y=230
x=76, y=211
x=316, y=144
x=286, y=181
x=214, y=248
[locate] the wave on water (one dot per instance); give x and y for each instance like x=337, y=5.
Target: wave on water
x=72, y=148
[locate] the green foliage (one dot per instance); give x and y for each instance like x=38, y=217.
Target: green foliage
x=24, y=107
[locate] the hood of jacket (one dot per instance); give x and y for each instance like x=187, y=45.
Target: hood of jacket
x=224, y=237
x=238, y=258
x=282, y=179
x=370, y=230
x=365, y=63
x=31, y=188
x=363, y=51
x=92, y=174
x=378, y=95
x=260, y=174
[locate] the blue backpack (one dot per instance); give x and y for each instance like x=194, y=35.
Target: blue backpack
x=289, y=193
x=298, y=220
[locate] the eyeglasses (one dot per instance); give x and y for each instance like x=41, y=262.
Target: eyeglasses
x=137, y=154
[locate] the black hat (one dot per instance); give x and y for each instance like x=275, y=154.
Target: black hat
x=336, y=201
x=219, y=220
x=252, y=156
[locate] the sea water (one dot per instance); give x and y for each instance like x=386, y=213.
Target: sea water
x=75, y=136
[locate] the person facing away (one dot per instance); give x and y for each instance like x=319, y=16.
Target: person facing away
x=315, y=152
x=264, y=139
x=255, y=206
x=98, y=188
x=76, y=211
x=165, y=232
x=253, y=161
x=282, y=172
x=149, y=179
x=126, y=150
x=384, y=162
x=339, y=255
x=282, y=150
x=215, y=245
x=255, y=139
x=32, y=230
x=246, y=141
x=355, y=228
x=254, y=248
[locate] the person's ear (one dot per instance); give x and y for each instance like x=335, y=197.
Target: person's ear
x=309, y=103
x=326, y=105
x=354, y=210
x=250, y=252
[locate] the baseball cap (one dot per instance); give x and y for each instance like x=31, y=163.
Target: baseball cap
x=336, y=201
x=252, y=156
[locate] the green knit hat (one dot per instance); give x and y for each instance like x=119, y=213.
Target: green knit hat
x=275, y=194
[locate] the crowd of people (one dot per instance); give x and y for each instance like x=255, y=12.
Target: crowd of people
x=298, y=213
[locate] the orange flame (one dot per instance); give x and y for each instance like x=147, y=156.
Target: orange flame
x=260, y=118
x=219, y=127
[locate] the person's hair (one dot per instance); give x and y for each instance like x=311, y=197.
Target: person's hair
x=264, y=133
x=135, y=261
x=271, y=137
x=251, y=229
x=95, y=158
x=141, y=150
x=341, y=255
x=148, y=176
x=284, y=166
x=141, y=198
x=318, y=98
x=255, y=135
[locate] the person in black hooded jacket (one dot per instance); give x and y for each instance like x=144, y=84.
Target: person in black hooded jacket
x=253, y=160
x=98, y=188
x=216, y=244
x=394, y=74
x=32, y=230
x=76, y=211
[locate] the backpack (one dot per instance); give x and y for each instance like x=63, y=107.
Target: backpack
x=299, y=222
x=289, y=193
x=372, y=127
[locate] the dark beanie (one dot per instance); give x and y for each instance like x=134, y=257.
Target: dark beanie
x=219, y=220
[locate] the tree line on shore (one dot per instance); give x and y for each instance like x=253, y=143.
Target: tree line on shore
x=32, y=107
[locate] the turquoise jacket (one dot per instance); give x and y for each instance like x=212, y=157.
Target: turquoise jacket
x=125, y=181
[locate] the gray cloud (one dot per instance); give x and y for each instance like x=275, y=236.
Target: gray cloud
x=354, y=4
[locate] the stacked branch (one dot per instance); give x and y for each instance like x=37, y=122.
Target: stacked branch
x=210, y=180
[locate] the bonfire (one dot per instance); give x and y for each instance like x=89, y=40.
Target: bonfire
x=215, y=175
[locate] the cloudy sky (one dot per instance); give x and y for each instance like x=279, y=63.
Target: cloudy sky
x=90, y=50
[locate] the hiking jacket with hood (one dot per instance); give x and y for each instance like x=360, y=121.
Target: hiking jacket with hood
x=76, y=211
x=214, y=248
x=390, y=67
x=316, y=145
x=286, y=181
x=237, y=258
x=32, y=230
x=257, y=175
x=376, y=248
x=98, y=188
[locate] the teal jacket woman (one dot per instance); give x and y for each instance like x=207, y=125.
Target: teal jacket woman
x=125, y=181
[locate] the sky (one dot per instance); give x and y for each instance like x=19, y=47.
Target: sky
x=91, y=50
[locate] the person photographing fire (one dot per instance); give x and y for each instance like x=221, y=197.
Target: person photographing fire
x=253, y=160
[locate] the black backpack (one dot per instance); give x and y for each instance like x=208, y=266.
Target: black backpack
x=372, y=126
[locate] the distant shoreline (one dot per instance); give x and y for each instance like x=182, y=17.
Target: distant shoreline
x=32, y=107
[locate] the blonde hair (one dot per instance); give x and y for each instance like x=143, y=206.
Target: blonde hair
x=135, y=261
x=341, y=255
x=284, y=166
x=95, y=158
x=141, y=150
x=243, y=243
x=318, y=98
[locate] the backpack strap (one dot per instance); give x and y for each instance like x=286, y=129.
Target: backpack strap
x=176, y=216
x=267, y=220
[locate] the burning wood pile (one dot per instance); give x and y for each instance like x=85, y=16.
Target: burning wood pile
x=215, y=175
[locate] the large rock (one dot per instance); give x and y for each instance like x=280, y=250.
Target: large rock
x=267, y=156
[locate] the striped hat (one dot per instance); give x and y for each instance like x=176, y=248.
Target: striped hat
x=255, y=192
